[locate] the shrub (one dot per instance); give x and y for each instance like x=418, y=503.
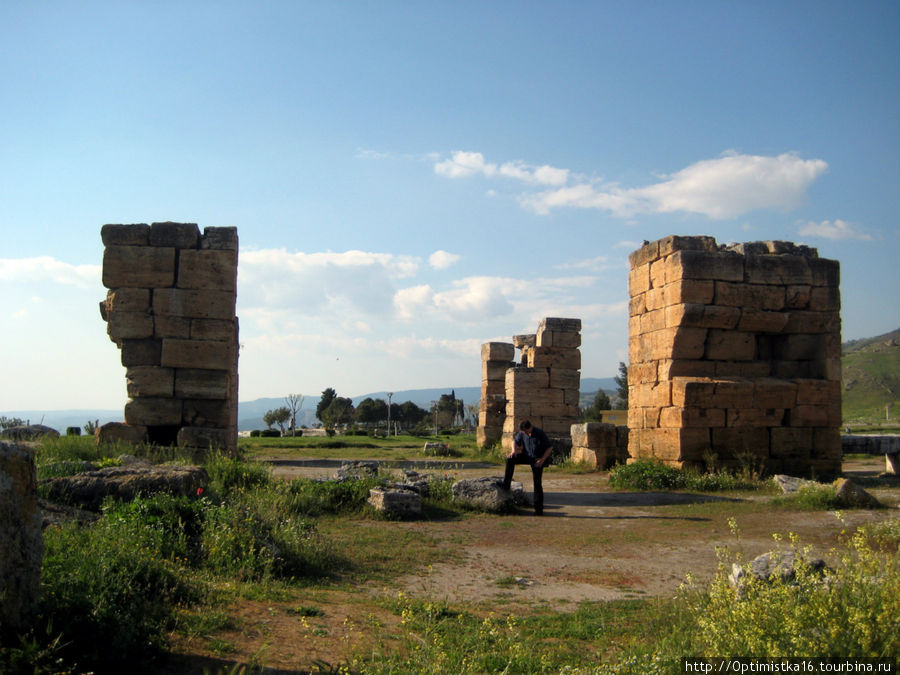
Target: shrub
x=110, y=597
x=255, y=433
x=227, y=474
x=313, y=498
x=270, y=433
x=646, y=475
x=853, y=612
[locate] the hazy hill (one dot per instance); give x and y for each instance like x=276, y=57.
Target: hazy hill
x=871, y=377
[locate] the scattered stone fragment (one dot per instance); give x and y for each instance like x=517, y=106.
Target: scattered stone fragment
x=487, y=494
x=395, y=501
x=791, y=484
x=850, y=494
x=357, y=469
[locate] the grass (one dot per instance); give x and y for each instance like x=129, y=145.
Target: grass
x=653, y=475
x=117, y=591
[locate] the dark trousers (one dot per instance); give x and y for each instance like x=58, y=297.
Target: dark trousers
x=537, y=473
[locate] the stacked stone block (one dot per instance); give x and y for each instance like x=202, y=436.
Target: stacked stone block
x=598, y=444
x=171, y=311
x=735, y=352
x=545, y=388
x=496, y=359
x=21, y=541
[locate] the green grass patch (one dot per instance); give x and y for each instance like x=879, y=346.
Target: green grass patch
x=654, y=475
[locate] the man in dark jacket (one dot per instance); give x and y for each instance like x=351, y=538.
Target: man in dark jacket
x=530, y=446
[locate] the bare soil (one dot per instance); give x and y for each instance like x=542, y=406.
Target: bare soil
x=592, y=544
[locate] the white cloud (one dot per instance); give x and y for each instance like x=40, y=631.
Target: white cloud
x=413, y=347
x=315, y=282
x=463, y=164
x=720, y=188
x=594, y=264
x=46, y=268
x=408, y=302
x=834, y=229
x=441, y=260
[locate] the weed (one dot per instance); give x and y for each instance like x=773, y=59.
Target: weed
x=810, y=498
x=654, y=475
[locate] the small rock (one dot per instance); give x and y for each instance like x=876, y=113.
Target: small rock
x=395, y=501
x=357, y=469
x=487, y=494
x=852, y=495
x=791, y=484
x=765, y=567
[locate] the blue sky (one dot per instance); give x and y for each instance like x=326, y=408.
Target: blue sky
x=410, y=180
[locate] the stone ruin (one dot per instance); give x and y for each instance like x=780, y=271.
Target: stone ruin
x=544, y=386
x=171, y=311
x=735, y=353
x=21, y=542
x=599, y=445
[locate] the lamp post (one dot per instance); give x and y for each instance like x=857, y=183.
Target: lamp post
x=390, y=393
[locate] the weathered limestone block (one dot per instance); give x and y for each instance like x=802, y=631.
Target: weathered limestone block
x=124, y=483
x=731, y=345
x=797, y=297
x=554, y=357
x=487, y=494
x=140, y=352
x=209, y=354
x=524, y=341
x=142, y=381
x=21, y=542
x=200, y=383
x=151, y=412
x=825, y=272
x=639, y=279
x=802, y=321
x=175, y=235
x=138, y=267
x=559, y=339
x=394, y=501
x=166, y=326
x=676, y=417
x=205, y=438
x=219, y=238
x=761, y=321
x=113, y=432
x=207, y=413
x=125, y=300
x=646, y=254
x=522, y=378
x=205, y=304
x=207, y=269
x=213, y=329
x=498, y=351
x=129, y=325
x=784, y=270
x=701, y=316
x=125, y=235
x=492, y=388
x=673, y=243
x=495, y=370
x=718, y=266
x=561, y=325
x=750, y=296
x=852, y=495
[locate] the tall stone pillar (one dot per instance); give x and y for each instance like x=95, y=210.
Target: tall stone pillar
x=496, y=359
x=21, y=542
x=171, y=311
x=735, y=353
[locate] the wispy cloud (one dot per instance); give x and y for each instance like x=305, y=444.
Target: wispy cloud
x=315, y=282
x=720, y=188
x=46, y=268
x=594, y=264
x=833, y=229
x=463, y=164
x=441, y=260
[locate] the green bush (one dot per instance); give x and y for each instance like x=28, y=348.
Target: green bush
x=853, y=611
x=270, y=433
x=255, y=433
x=107, y=595
x=313, y=498
x=646, y=475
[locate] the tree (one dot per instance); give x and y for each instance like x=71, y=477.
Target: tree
x=327, y=397
x=371, y=411
x=339, y=411
x=279, y=416
x=594, y=413
x=411, y=414
x=294, y=403
x=448, y=410
x=10, y=422
x=622, y=387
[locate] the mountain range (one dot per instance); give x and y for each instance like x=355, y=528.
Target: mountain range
x=250, y=413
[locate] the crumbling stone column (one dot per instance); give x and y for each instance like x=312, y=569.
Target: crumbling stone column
x=598, y=444
x=171, y=311
x=546, y=387
x=496, y=359
x=735, y=352
x=21, y=544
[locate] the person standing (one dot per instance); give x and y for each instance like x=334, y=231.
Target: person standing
x=530, y=446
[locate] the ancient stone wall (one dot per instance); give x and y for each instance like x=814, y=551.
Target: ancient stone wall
x=542, y=388
x=21, y=542
x=171, y=311
x=598, y=444
x=496, y=359
x=735, y=352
